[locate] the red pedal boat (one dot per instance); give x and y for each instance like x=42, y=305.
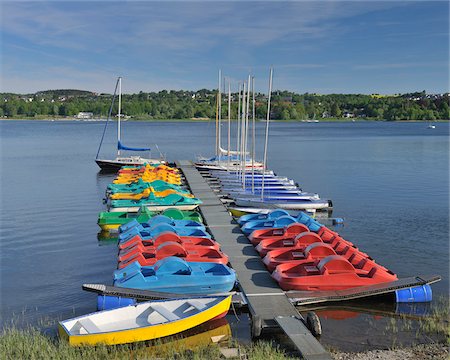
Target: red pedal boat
x=299, y=242
x=138, y=248
x=197, y=254
x=314, y=251
x=333, y=272
x=289, y=232
x=168, y=236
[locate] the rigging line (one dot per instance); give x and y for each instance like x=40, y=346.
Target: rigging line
x=107, y=120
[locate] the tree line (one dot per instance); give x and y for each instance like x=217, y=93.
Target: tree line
x=202, y=104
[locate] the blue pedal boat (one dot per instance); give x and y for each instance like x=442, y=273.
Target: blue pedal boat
x=272, y=215
x=175, y=275
x=161, y=219
x=151, y=233
x=280, y=221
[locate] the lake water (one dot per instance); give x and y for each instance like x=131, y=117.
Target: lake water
x=389, y=181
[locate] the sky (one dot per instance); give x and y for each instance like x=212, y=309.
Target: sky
x=323, y=47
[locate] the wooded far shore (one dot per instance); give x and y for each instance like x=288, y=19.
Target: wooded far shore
x=201, y=105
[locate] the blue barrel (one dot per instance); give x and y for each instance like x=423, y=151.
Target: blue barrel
x=338, y=221
x=422, y=293
x=105, y=302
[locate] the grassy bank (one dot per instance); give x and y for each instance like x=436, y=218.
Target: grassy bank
x=33, y=345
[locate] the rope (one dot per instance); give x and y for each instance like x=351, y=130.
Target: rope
x=234, y=312
x=107, y=120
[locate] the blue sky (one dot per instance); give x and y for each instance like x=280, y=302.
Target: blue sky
x=314, y=46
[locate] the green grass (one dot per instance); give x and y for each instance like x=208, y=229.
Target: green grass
x=438, y=322
x=31, y=344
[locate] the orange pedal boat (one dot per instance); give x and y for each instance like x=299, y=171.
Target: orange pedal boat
x=194, y=254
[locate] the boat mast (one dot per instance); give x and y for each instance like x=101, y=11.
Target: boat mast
x=219, y=131
x=238, y=138
x=246, y=128
x=229, y=124
x=218, y=119
x=267, y=133
x=118, y=115
x=253, y=134
x=242, y=164
x=109, y=117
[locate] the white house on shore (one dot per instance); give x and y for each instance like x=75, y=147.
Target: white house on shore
x=84, y=115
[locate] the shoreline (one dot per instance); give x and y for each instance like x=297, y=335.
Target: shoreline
x=439, y=351
x=224, y=121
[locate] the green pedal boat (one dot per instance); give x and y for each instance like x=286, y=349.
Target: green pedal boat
x=110, y=221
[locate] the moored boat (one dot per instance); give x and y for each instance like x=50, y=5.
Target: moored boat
x=333, y=272
x=144, y=321
x=190, y=254
x=175, y=275
x=120, y=160
x=186, y=241
x=155, y=204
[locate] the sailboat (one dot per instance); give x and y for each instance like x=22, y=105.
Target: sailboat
x=120, y=160
x=226, y=159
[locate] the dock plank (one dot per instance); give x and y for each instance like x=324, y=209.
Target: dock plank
x=266, y=301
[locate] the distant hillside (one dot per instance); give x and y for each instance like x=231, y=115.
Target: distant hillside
x=182, y=104
x=65, y=92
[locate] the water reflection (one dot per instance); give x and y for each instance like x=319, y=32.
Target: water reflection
x=377, y=308
x=373, y=324
x=107, y=238
x=212, y=332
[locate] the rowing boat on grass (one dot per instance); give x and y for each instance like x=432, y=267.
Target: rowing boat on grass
x=145, y=321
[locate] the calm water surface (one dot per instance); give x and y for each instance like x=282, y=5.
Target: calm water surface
x=389, y=181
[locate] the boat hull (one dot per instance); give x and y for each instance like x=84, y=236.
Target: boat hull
x=114, y=165
x=133, y=209
x=148, y=332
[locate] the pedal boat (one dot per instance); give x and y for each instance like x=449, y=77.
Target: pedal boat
x=280, y=222
x=143, y=321
x=161, y=219
x=190, y=254
x=333, y=272
x=340, y=245
x=275, y=214
x=155, y=204
x=186, y=241
x=112, y=220
x=316, y=250
x=175, y=275
x=140, y=185
x=154, y=232
x=287, y=233
x=147, y=193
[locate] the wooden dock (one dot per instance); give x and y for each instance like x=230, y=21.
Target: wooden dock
x=268, y=305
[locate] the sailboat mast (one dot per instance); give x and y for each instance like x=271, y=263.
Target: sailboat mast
x=238, y=137
x=229, y=124
x=246, y=128
x=242, y=164
x=118, y=115
x=267, y=133
x=220, y=114
x=253, y=134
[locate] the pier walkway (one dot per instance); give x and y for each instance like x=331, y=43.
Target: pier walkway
x=268, y=305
